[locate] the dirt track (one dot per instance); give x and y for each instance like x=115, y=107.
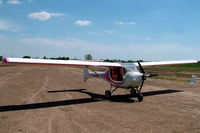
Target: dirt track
x=55, y=99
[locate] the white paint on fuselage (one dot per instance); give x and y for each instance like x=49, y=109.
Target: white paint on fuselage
x=131, y=80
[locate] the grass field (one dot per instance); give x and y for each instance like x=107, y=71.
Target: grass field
x=185, y=66
x=176, y=73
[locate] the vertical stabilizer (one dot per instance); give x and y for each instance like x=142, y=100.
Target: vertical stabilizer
x=86, y=73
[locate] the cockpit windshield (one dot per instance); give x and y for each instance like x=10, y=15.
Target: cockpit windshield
x=130, y=67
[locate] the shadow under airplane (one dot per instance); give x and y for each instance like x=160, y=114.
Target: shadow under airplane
x=94, y=98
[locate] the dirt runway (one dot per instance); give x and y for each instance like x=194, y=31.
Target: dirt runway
x=43, y=99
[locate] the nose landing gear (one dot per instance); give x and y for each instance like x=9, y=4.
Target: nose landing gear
x=136, y=92
x=140, y=97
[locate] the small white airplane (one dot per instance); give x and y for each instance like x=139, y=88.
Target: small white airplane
x=120, y=75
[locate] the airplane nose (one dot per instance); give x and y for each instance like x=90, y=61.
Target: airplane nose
x=138, y=76
x=136, y=79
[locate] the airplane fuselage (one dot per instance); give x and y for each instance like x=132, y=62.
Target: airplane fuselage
x=129, y=79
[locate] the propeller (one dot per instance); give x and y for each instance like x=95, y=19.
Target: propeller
x=141, y=68
x=144, y=76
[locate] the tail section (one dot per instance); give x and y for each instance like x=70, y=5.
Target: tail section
x=86, y=73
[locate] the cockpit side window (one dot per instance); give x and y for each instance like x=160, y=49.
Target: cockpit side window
x=117, y=73
x=130, y=67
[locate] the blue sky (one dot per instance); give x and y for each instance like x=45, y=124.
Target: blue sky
x=114, y=29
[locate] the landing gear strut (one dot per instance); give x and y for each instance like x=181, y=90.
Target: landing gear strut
x=133, y=92
x=136, y=92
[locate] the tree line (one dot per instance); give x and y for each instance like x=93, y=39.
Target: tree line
x=87, y=57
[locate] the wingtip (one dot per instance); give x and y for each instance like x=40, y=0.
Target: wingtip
x=5, y=60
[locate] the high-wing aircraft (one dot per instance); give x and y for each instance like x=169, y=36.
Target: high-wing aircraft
x=120, y=75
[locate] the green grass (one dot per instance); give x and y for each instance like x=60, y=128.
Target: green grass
x=185, y=66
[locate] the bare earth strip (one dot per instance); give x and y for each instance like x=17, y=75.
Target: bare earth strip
x=40, y=99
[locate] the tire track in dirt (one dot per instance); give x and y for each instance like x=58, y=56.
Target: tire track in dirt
x=43, y=87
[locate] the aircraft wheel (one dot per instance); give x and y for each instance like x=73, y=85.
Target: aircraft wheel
x=107, y=94
x=140, y=97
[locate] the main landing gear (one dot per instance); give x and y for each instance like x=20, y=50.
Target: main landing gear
x=109, y=92
x=136, y=92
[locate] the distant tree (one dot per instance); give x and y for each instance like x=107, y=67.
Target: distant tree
x=108, y=60
x=1, y=58
x=75, y=58
x=45, y=57
x=130, y=61
x=63, y=58
x=60, y=58
x=26, y=57
x=88, y=57
x=67, y=58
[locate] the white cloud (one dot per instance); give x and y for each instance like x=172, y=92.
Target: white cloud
x=131, y=22
x=164, y=51
x=123, y=23
x=8, y=26
x=108, y=31
x=52, y=42
x=83, y=22
x=101, y=32
x=133, y=51
x=42, y=16
x=57, y=14
x=69, y=43
x=119, y=22
x=148, y=38
x=1, y=1
x=14, y=2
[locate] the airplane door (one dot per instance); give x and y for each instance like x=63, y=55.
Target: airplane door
x=117, y=73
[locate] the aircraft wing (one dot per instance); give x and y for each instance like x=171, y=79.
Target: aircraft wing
x=165, y=63
x=89, y=63
x=59, y=62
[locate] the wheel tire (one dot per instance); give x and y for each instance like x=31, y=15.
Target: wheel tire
x=140, y=97
x=107, y=94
